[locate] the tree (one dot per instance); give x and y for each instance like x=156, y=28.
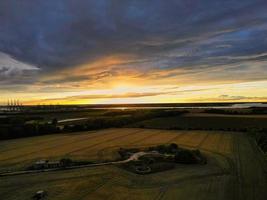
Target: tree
x=65, y=162
x=185, y=156
x=54, y=121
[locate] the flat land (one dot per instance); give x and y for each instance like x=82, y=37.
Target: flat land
x=206, y=121
x=235, y=169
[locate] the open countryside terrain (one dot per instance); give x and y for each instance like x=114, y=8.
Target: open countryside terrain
x=206, y=121
x=235, y=170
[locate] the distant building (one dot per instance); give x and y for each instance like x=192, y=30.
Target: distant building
x=46, y=164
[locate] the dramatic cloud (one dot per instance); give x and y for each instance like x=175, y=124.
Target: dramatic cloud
x=13, y=71
x=231, y=98
x=120, y=95
x=87, y=44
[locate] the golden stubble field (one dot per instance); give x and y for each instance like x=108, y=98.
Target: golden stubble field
x=234, y=170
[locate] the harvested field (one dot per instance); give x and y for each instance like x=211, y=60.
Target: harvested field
x=235, y=168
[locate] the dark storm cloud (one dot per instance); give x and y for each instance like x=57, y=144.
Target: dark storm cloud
x=192, y=34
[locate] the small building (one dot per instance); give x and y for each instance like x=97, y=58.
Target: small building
x=46, y=164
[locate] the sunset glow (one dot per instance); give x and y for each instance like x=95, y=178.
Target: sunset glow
x=133, y=52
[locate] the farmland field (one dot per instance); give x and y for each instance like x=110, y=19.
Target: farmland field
x=235, y=168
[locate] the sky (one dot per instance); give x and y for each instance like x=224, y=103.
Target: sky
x=133, y=51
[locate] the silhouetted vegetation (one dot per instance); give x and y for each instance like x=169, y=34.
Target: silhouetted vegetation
x=224, y=111
x=260, y=136
x=159, y=158
x=66, y=162
x=186, y=156
x=250, y=111
x=259, y=110
x=32, y=124
x=225, y=123
x=24, y=126
x=165, y=149
x=114, y=120
x=18, y=126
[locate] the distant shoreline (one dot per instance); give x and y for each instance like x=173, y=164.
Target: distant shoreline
x=154, y=105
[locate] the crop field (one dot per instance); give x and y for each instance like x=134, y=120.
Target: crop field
x=235, y=168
